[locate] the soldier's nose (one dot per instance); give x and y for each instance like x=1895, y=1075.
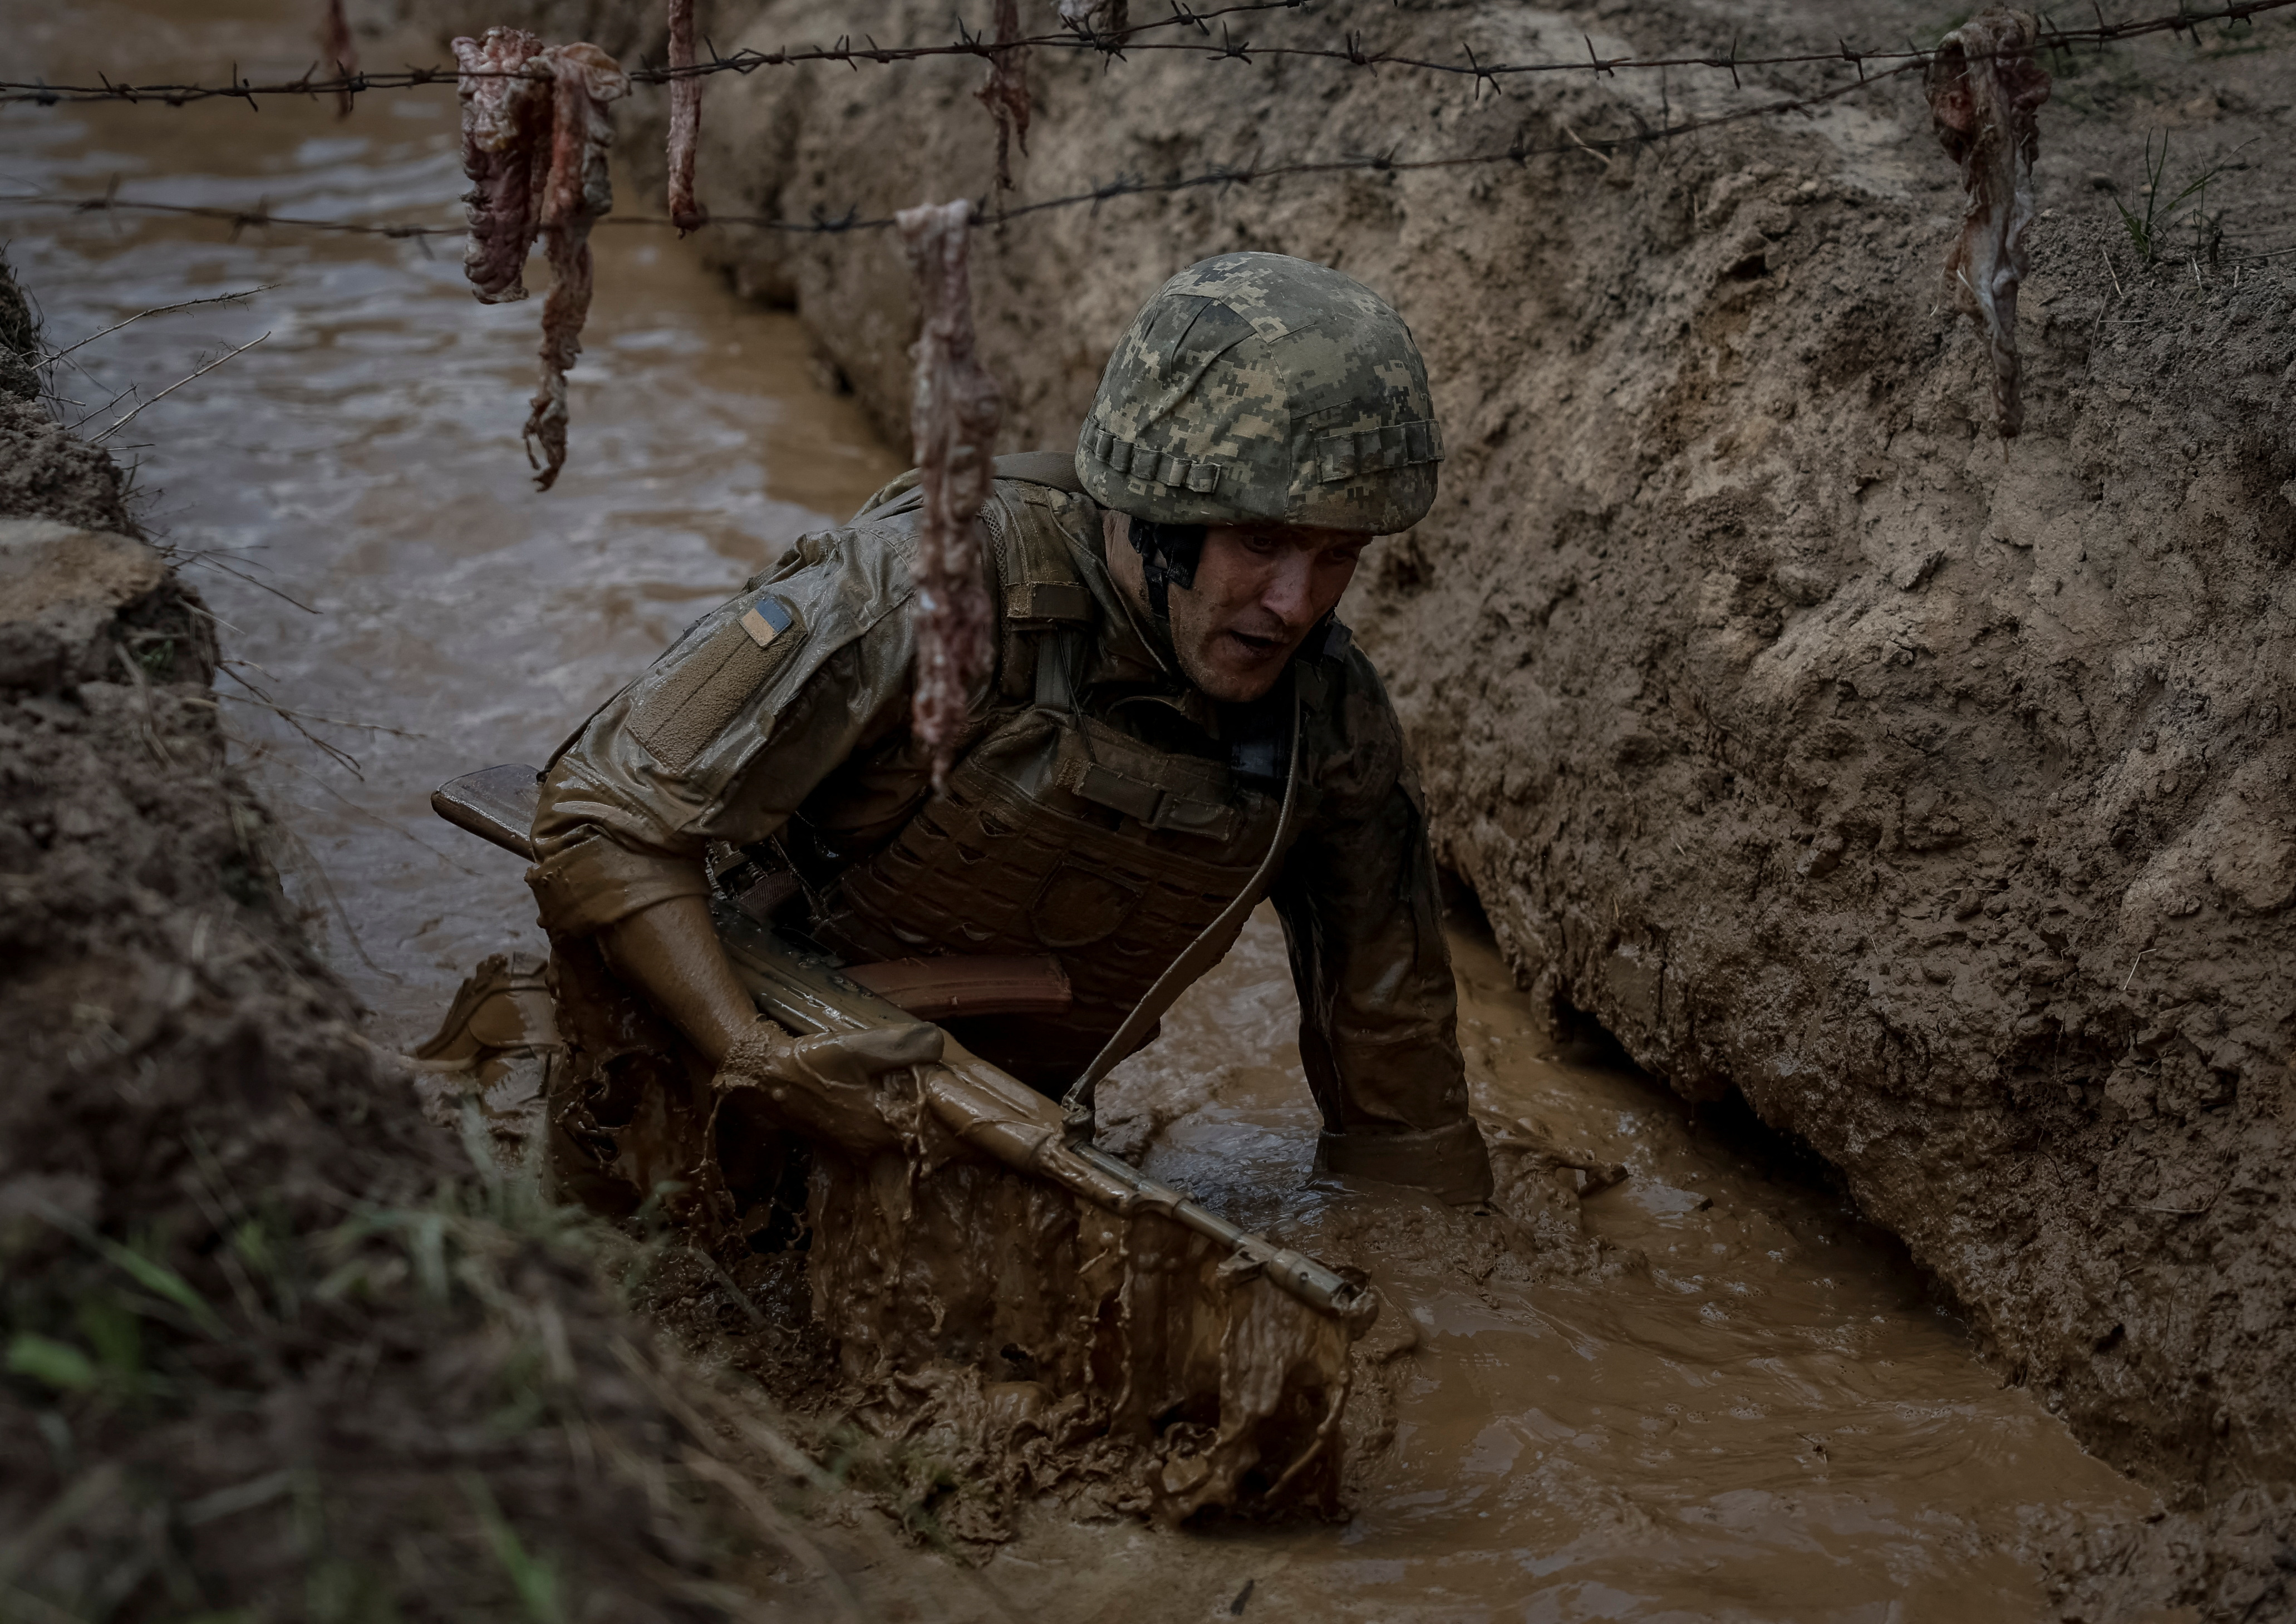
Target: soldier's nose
x=1289, y=589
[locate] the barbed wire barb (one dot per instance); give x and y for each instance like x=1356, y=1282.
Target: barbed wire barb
x=1481, y=76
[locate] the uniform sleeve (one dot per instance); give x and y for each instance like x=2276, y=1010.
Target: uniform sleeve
x=1363, y=918
x=727, y=733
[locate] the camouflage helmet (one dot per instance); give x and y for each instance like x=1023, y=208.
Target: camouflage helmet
x=1261, y=388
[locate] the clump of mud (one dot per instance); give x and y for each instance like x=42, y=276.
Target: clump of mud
x=1127, y=1358
x=44, y=471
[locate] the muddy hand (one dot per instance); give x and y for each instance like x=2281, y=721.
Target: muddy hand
x=832, y=1085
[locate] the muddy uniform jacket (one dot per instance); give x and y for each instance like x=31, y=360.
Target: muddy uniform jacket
x=1101, y=809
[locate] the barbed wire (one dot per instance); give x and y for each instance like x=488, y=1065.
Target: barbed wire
x=744, y=61
x=821, y=222
x=1121, y=44
x=2049, y=38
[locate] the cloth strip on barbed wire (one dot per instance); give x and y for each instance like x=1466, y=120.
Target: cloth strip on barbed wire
x=579, y=190
x=505, y=120
x=1006, y=93
x=953, y=417
x=1985, y=89
x=538, y=132
x=685, y=120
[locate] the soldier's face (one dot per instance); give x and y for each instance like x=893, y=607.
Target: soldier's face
x=1259, y=593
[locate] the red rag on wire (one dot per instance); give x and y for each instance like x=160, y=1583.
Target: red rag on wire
x=538, y=128
x=506, y=154
x=953, y=416
x=578, y=191
x=1985, y=90
x=685, y=120
x=338, y=45
x=1006, y=93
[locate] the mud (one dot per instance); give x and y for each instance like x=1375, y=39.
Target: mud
x=1109, y=1365
x=1112, y=1361
x=269, y=1344
x=1534, y=1379
x=47, y=473
x=1928, y=795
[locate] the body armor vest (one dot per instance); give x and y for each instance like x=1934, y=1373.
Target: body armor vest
x=1057, y=832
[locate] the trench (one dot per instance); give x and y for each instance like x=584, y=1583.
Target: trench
x=1749, y=1405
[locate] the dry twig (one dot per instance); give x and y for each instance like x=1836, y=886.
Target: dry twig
x=122, y=420
x=219, y=298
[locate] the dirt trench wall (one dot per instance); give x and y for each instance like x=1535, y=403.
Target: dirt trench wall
x=269, y=1346
x=1934, y=793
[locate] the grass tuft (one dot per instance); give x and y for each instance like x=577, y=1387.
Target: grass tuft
x=2148, y=227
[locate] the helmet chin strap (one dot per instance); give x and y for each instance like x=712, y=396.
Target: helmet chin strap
x=1169, y=555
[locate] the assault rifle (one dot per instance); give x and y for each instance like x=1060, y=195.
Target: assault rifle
x=987, y=1108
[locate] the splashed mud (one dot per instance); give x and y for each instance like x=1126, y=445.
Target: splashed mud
x=1113, y=1362
x=1120, y=1362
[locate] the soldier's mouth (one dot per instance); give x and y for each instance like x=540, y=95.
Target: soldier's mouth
x=1257, y=649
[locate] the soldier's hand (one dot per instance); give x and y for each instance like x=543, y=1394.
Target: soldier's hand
x=831, y=1085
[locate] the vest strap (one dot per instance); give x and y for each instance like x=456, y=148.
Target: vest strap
x=1201, y=956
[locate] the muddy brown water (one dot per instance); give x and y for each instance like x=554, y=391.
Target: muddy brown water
x=1770, y=1420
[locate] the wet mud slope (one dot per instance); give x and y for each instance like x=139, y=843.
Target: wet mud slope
x=1930, y=793
x=272, y=1349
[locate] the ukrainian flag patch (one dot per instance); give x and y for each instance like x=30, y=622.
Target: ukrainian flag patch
x=767, y=620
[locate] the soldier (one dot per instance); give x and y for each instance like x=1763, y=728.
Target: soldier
x=1175, y=718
